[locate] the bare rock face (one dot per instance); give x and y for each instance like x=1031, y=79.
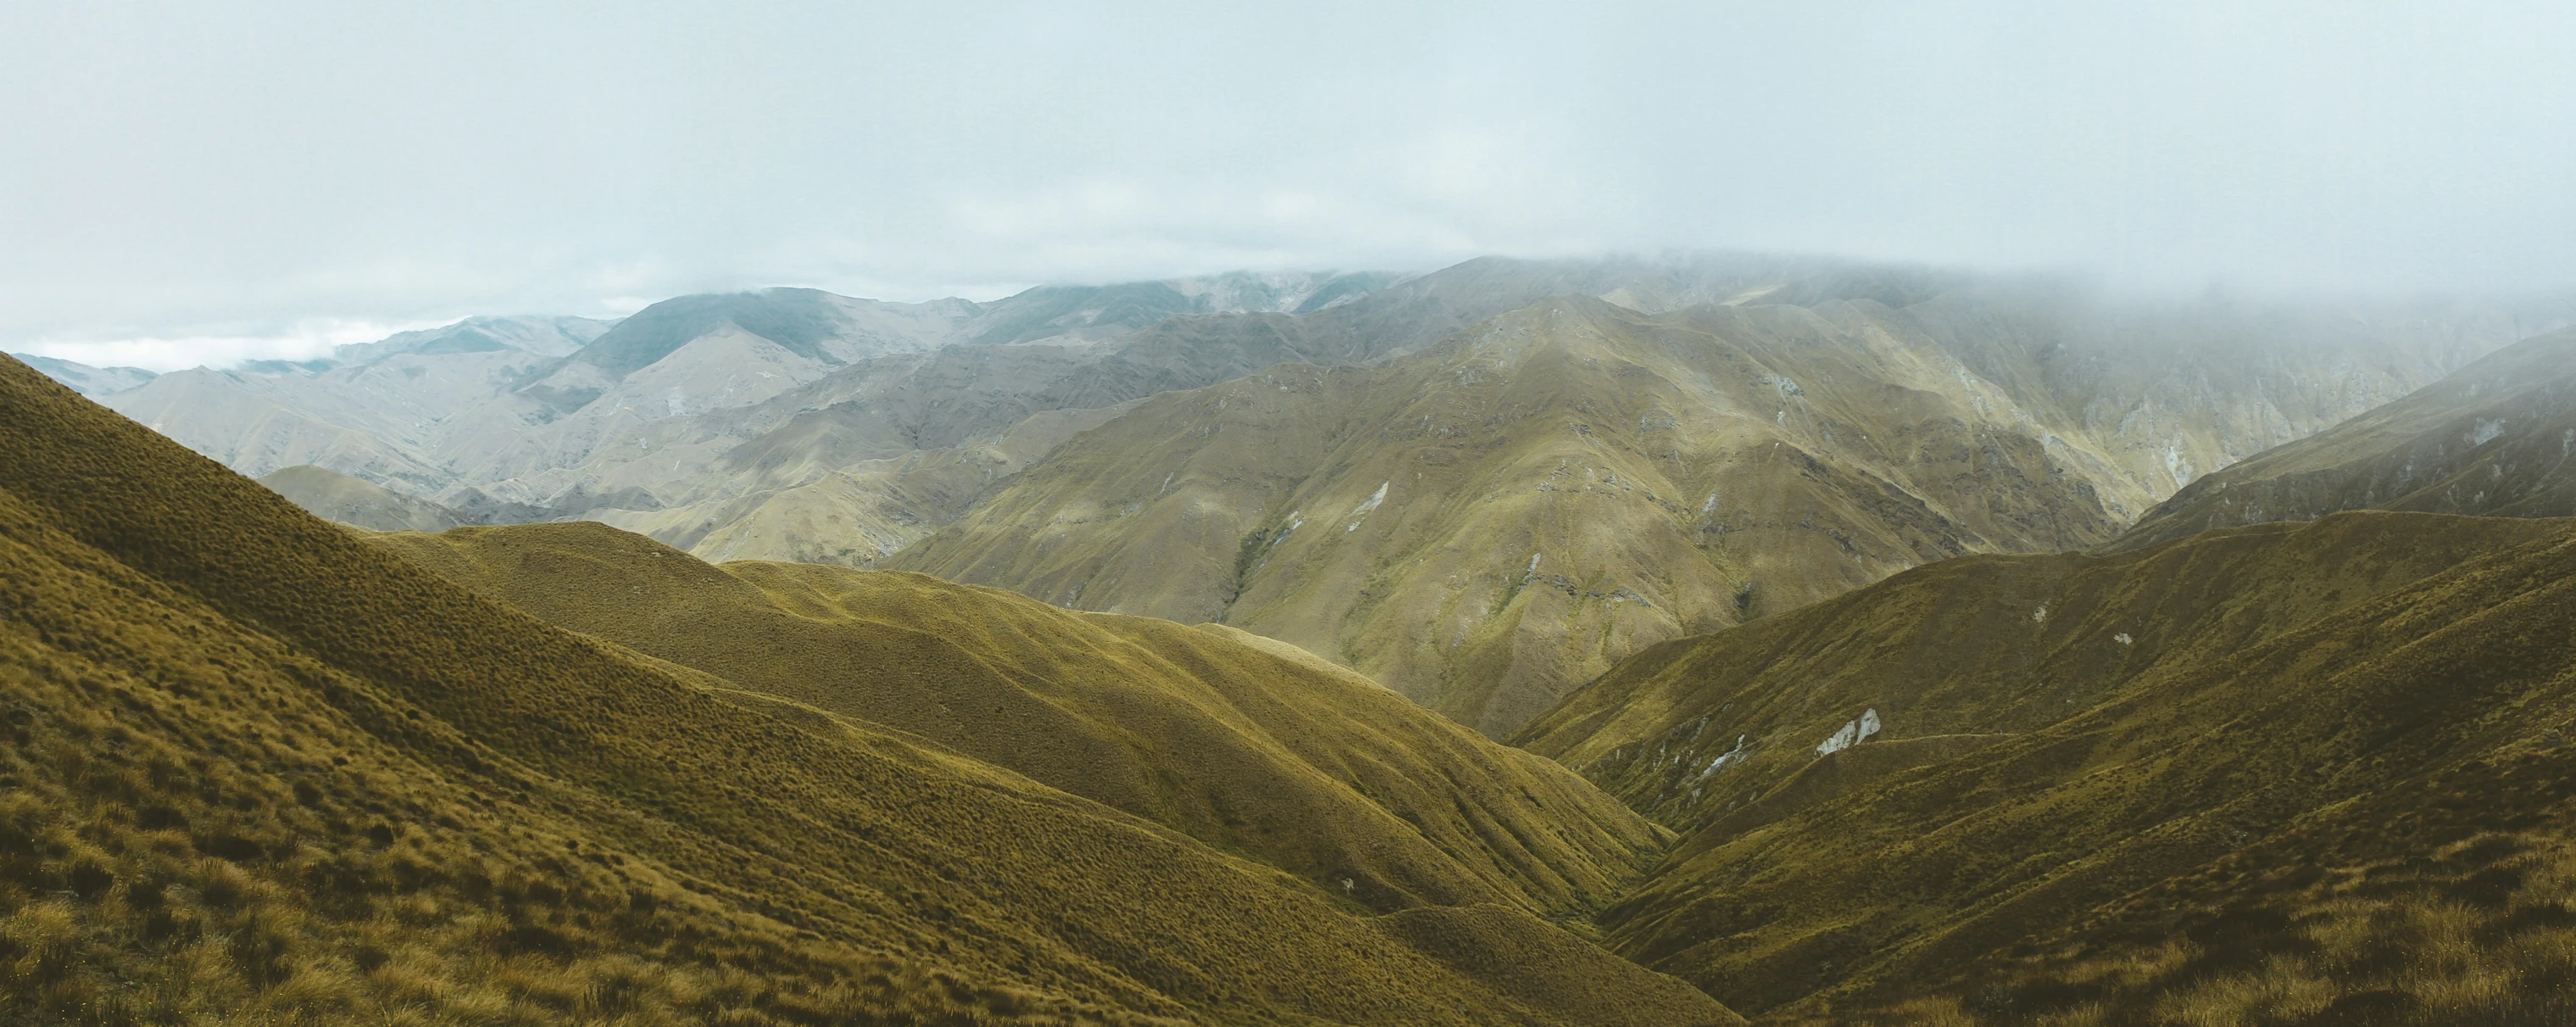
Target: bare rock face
x=2497, y=438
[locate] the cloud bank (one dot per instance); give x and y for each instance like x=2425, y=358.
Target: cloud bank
x=187, y=173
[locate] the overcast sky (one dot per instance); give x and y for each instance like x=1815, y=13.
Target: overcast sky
x=258, y=177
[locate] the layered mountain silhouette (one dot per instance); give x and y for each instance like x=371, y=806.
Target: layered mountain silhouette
x=258, y=766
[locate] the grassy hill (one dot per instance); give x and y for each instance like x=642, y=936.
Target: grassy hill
x=2310, y=773
x=260, y=770
x=1289, y=762
x=2496, y=438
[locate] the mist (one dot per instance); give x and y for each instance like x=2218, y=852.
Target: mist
x=182, y=184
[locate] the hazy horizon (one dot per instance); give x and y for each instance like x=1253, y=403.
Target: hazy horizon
x=185, y=187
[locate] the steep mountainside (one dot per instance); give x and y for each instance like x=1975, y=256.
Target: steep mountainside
x=89, y=381
x=333, y=496
x=2496, y=438
x=1488, y=522
x=1328, y=776
x=258, y=767
x=2290, y=774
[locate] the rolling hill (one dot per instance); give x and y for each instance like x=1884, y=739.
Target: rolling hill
x=2496, y=438
x=1319, y=772
x=1488, y=522
x=258, y=767
x=2291, y=773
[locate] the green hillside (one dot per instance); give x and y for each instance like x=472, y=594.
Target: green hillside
x=262, y=772
x=2281, y=774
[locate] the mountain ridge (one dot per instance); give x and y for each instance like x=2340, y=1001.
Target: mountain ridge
x=1724, y=462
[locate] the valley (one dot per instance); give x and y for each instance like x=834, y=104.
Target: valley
x=1773, y=431
x=1653, y=642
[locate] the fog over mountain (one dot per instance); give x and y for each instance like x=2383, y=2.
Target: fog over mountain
x=260, y=180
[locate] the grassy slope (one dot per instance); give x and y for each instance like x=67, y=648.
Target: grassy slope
x=2496, y=438
x=1670, y=474
x=2333, y=692
x=256, y=765
x=1323, y=774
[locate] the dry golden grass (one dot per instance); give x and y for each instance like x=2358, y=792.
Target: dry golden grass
x=257, y=771
x=1317, y=772
x=2369, y=690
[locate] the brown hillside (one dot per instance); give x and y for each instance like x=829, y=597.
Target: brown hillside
x=1323, y=774
x=257, y=768
x=2204, y=768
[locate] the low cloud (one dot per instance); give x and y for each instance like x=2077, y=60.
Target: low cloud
x=275, y=162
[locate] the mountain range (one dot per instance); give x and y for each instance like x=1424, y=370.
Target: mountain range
x=1661, y=641
x=1813, y=426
